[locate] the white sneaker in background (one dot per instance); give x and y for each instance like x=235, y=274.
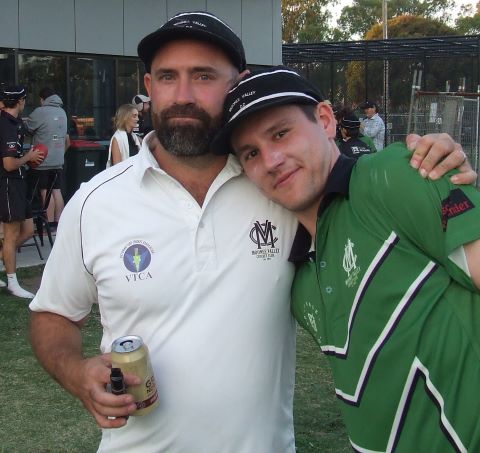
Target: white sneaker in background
x=20, y=292
x=2, y=284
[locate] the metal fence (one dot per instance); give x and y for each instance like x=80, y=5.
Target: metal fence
x=454, y=113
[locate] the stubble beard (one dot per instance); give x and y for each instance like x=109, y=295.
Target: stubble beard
x=185, y=140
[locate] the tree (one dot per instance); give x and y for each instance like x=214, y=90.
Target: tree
x=305, y=21
x=400, y=27
x=467, y=24
x=358, y=18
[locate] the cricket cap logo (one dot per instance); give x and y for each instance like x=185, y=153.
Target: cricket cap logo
x=137, y=258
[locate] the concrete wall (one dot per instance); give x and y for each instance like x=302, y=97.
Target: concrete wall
x=114, y=27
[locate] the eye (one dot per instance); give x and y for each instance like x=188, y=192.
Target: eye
x=250, y=155
x=205, y=76
x=281, y=133
x=165, y=76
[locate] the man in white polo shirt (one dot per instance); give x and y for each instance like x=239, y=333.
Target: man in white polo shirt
x=177, y=246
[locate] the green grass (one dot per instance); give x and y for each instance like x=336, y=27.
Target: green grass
x=38, y=416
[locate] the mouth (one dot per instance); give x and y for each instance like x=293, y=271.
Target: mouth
x=285, y=179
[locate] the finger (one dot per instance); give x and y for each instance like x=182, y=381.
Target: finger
x=456, y=159
x=110, y=422
x=430, y=150
x=411, y=141
x=467, y=176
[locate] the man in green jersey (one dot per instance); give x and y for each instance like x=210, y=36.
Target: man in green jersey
x=389, y=286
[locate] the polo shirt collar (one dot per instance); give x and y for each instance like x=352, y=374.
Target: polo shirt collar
x=10, y=117
x=337, y=184
x=145, y=162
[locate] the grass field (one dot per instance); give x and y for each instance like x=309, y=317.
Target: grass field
x=38, y=416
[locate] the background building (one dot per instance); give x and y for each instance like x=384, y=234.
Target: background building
x=87, y=49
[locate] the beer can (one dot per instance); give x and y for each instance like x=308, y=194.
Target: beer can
x=130, y=354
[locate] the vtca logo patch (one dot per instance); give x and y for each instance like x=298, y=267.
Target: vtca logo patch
x=263, y=236
x=137, y=257
x=457, y=203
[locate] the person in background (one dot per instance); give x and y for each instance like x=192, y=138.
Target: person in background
x=197, y=266
x=388, y=279
x=351, y=144
x=373, y=126
x=124, y=142
x=48, y=125
x=142, y=103
x=15, y=210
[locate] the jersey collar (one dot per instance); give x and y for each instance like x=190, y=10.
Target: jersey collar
x=145, y=163
x=338, y=183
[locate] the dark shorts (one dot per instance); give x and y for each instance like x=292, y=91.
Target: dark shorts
x=45, y=178
x=14, y=205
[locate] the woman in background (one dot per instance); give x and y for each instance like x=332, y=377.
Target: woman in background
x=124, y=142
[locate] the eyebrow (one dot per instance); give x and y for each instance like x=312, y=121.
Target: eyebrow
x=277, y=125
x=194, y=69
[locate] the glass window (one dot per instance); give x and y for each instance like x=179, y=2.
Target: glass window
x=129, y=80
x=39, y=71
x=7, y=67
x=91, y=97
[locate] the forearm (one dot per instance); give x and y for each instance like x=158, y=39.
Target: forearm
x=57, y=343
x=13, y=163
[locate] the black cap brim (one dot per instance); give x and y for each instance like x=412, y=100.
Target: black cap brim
x=221, y=142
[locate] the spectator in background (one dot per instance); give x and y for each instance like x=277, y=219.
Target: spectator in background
x=15, y=211
x=142, y=103
x=373, y=126
x=48, y=125
x=124, y=142
x=351, y=144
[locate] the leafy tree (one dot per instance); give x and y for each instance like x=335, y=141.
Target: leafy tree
x=358, y=18
x=305, y=21
x=400, y=27
x=467, y=24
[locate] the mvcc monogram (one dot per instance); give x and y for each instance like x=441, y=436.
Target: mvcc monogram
x=262, y=234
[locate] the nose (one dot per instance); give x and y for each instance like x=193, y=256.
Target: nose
x=273, y=158
x=184, y=92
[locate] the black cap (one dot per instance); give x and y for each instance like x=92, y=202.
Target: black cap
x=260, y=90
x=368, y=105
x=194, y=25
x=13, y=93
x=350, y=121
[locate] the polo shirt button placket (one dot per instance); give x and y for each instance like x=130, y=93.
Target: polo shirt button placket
x=329, y=290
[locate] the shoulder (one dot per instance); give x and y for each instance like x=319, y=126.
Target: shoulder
x=107, y=183
x=386, y=171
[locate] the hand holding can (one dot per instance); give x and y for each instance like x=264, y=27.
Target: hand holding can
x=130, y=354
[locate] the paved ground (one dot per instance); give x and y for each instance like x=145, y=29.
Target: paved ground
x=29, y=256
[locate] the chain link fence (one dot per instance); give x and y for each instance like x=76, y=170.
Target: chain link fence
x=454, y=113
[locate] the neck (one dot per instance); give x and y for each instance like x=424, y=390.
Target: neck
x=196, y=174
x=15, y=111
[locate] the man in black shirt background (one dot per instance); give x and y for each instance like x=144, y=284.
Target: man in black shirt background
x=15, y=211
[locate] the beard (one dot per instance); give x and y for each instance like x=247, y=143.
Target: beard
x=185, y=140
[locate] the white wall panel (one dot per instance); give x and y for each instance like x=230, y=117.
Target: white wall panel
x=115, y=27
x=9, y=24
x=49, y=24
x=230, y=12
x=180, y=6
x=140, y=21
x=99, y=26
x=257, y=35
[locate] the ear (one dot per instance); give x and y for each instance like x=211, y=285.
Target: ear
x=326, y=117
x=147, y=80
x=242, y=75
